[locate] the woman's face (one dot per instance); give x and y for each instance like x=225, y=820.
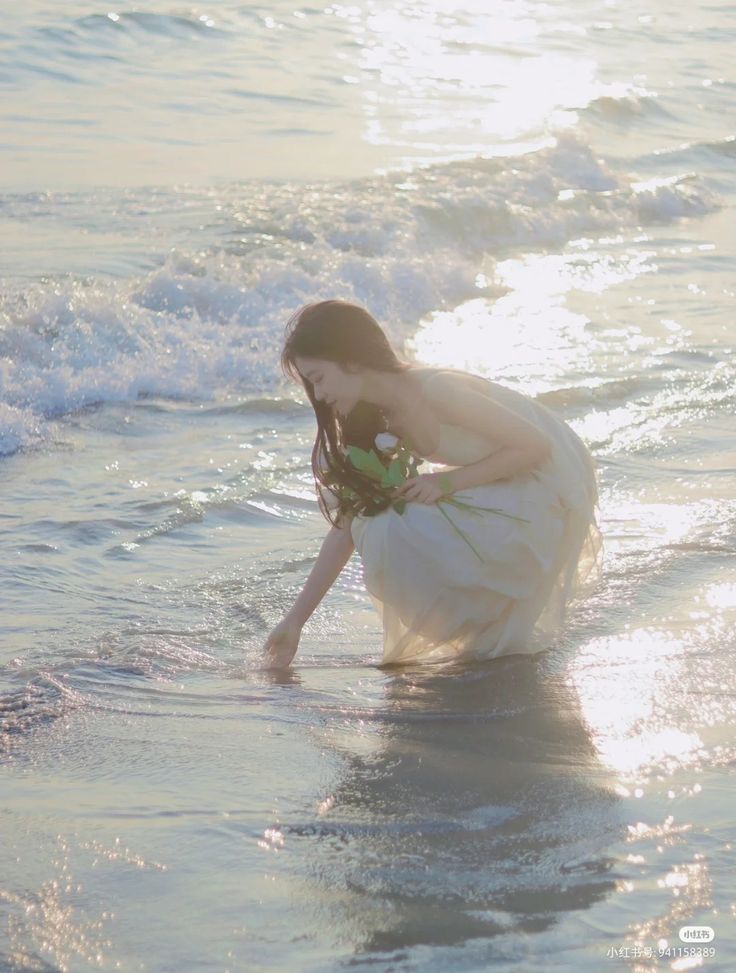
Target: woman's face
x=332, y=384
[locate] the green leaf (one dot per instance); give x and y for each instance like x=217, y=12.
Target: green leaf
x=395, y=475
x=367, y=463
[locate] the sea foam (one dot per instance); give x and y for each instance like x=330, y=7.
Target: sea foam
x=209, y=320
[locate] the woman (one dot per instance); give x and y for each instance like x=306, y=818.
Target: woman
x=448, y=582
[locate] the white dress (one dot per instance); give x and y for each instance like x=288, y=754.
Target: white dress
x=436, y=598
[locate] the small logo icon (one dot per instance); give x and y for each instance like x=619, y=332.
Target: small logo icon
x=696, y=934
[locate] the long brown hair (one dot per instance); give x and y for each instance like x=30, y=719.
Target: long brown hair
x=347, y=334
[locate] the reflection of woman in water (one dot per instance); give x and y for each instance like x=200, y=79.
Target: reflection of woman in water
x=479, y=583
x=462, y=807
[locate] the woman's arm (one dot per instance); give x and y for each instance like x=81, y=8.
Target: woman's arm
x=333, y=556
x=505, y=462
x=282, y=643
x=516, y=445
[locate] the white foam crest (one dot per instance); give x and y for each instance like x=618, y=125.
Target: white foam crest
x=18, y=427
x=212, y=320
x=621, y=103
x=665, y=200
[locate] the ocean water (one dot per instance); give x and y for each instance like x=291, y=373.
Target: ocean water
x=540, y=192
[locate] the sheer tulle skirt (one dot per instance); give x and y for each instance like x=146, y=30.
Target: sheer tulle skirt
x=439, y=600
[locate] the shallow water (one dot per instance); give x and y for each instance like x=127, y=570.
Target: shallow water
x=539, y=194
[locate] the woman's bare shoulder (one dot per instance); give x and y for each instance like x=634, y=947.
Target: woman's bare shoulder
x=436, y=374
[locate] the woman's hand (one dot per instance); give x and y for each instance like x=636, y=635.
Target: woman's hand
x=425, y=488
x=281, y=645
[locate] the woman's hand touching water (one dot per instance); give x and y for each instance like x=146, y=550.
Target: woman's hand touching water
x=281, y=645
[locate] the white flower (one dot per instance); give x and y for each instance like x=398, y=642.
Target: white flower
x=386, y=440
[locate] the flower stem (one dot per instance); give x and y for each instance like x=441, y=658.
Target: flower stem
x=460, y=532
x=493, y=510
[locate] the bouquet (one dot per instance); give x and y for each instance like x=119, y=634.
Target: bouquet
x=389, y=468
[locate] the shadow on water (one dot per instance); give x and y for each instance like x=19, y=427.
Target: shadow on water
x=470, y=803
